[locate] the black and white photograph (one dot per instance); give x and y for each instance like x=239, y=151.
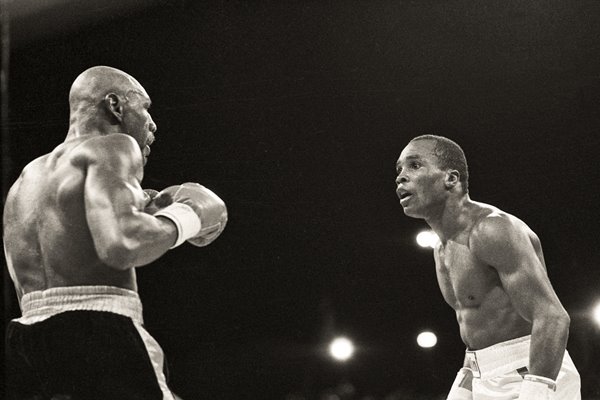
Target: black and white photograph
x=303, y=200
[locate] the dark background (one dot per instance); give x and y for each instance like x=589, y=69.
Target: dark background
x=295, y=113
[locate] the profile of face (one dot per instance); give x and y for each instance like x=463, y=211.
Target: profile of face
x=420, y=183
x=137, y=121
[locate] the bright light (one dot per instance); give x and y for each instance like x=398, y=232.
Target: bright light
x=341, y=349
x=426, y=339
x=427, y=239
x=596, y=314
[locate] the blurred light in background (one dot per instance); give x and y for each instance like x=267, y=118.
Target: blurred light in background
x=596, y=314
x=341, y=348
x=426, y=339
x=427, y=239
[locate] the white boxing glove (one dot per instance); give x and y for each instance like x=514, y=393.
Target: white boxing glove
x=199, y=215
x=462, y=388
x=536, y=387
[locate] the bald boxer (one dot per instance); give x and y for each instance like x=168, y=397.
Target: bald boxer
x=77, y=224
x=491, y=271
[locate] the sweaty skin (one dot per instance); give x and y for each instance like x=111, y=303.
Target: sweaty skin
x=76, y=216
x=489, y=264
x=474, y=289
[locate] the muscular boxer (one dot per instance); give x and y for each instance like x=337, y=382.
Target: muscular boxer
x=77, y=224
x=491, y=271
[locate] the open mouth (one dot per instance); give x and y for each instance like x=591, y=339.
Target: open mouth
x=404, y=196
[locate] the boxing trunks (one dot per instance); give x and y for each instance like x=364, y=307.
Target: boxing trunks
x=83, y=342
x=498, y=373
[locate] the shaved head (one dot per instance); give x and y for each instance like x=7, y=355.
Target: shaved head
x=93, y=84
x=105, y=100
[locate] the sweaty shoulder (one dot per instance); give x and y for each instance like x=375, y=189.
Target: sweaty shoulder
x=496, y=233
x=116, y=150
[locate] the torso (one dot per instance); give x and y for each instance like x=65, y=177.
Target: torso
x=473, y=289
x=46, y=236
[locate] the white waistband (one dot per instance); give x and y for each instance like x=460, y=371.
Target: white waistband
x=500, y=358
x=40, y=305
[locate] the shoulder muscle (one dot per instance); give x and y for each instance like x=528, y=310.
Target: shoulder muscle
x=501, y=241
x=117, y=152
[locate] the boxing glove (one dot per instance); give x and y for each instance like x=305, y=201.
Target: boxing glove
x=199, y=214
x=149, y=205
x=537, y=388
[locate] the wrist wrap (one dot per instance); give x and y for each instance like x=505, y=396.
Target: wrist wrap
x=185, y=219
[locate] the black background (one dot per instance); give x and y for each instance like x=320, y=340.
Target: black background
x=295, y=113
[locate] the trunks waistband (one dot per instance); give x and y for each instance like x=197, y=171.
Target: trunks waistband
x=500, y=358
x=40, y=305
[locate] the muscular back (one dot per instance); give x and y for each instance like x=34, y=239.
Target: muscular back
x=47, y=237
x=478, y=291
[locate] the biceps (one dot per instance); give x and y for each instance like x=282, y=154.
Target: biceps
x=110, y=203
x=528, y=288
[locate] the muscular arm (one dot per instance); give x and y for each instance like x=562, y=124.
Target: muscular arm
x=124, y=235
x=505, y=245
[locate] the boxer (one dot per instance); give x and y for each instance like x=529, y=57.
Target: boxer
x=491, y=271
x=77, y=225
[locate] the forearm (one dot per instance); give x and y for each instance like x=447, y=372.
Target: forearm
x=548, y=343
x=137, y=240
x=153, y=240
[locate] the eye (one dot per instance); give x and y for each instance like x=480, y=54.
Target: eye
x=415, y=165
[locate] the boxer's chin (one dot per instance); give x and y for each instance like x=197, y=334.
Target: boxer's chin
x=411, y=212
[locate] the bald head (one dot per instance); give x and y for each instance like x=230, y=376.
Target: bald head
x=92, y=85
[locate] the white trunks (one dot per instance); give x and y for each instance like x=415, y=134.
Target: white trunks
x=498, y=372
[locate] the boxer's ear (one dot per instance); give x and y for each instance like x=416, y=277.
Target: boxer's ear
x=452, y=178
x=114, y=106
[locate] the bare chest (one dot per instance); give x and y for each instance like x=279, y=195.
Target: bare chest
x=464, y=280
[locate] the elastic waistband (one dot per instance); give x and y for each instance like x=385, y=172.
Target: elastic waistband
x=40, y=305
x=500, y=358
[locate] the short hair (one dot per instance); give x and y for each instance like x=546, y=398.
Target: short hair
x=449, y=155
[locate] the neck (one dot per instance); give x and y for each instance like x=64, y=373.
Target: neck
x=449, y=217
x=80, y=125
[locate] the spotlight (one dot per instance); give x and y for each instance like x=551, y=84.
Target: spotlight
x=341, y=348
x=427, y=239
x=596, y=314
x=426, y=339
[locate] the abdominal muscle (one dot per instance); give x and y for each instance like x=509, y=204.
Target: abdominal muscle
x=490, y=321
x=485, y=313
